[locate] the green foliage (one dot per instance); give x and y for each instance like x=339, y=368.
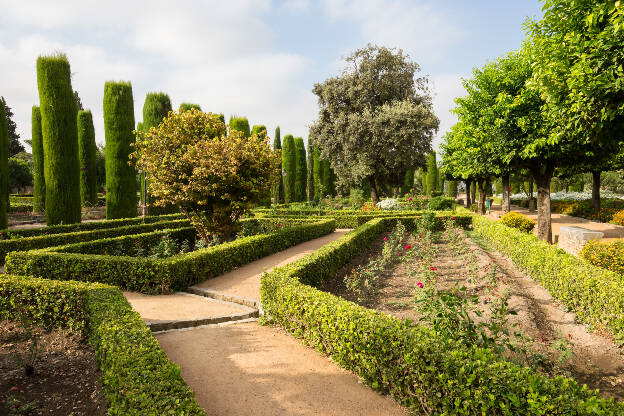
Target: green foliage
x=20, y=175
x=257, y=129
x=289, y=164
x=393, y=355
x=15, y=146
x=608, y=255
x=408, y=182
x=594, y=294
x=60, y=140
x=518, y=221
x=189, y=106
x=440, y=203
x=310, y=168
x=354, y=134
x=156, y=107
x=451, y=189
x=126, y=352
x=240, y=124
x=301, y=170
x=87, y=155
x=278, y=188
x=37, y=152
x=4, y=168
x=121, y=192
x=157, y=275
x=356, y=198
x=432, y=173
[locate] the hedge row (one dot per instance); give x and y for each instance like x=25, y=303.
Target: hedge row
x=53, y=240
x=137, y=377
x=594, y=294
x=151, y=275
x=423, y=371
x=86, y=226
x=20, y=207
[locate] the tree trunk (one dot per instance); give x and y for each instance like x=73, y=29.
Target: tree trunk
x=373, y=188
x=473, y=192
x=395, y=191
x=468, y=200
x=506, y=200
x=481, y=185
x=542, y=179
x=596, y=191
x=531, y=200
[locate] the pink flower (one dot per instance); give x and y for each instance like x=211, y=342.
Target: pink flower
x=453, y=218
x=433, y=268
x=385, y=238
x=407, y=247
x=410, y=199
x=420, y=285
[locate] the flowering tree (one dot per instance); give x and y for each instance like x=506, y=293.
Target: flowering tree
x=212, y=175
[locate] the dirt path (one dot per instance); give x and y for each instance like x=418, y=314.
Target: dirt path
x=243, y=368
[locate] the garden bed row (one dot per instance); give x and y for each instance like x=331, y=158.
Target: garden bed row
x=423, y=371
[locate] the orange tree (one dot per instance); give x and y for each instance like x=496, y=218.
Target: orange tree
x=213, y=175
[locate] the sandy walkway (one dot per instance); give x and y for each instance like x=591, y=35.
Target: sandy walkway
x=248, y=369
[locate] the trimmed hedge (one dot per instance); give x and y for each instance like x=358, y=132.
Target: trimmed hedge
x=136, y=374
x=85, y=226
x=87, y=155
x=423, y=371
x=594, y=294
x=20, y=207
x=60, y=140
x=53, y=240
x=150, y=275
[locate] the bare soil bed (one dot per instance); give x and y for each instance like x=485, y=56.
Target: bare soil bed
x=65, y=379
x=555, y=343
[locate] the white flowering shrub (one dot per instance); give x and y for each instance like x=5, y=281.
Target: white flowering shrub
x=389, y=204
x=568, y=196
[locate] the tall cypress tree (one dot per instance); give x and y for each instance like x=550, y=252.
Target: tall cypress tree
x=301, y=169
x=451, y=189
x=189, y=106
x=60, y=140
x=310, y=166
x=241, y=124
x=316, y=172
x=86, y=154
x=326, y=178
x=121, y=193
x=408, y=182
x=37, y=152
x=278, y=190
x=258, y=128
x=4, y=167
x=432, y=173
x=289, y=164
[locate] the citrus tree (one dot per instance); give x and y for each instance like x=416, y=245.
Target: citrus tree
x=213, y=175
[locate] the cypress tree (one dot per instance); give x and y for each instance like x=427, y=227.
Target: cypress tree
x=258, y=128
x=408, y=183
x=326, y=178
x=4, y=166
x=278, y=189
x=189, y=106
x=60, y=140
x=316, y=172
x=241, y=124
x=37, y=152
x=301, y=169
x=86, y=154
x=121, y=196
x=310, y=166
x=289, y=164
x=451, y=189
x=156, y=107
x=432, y=173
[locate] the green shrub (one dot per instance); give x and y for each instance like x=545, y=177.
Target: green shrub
x=432, y=174
x=60, y=140
x=519, y=221
x=121, y=192
x=451, y=189
x=20, y=174
x=37, y=152
x=4, y=166
x=86, y=154
x=310, y=173
x=440, y=203
x=189, y=106
x=289, y=164
x=278, y=189
x=301, y=170
x=608, y=255
x=53, y=240
x=155, y=108
x=136, y=374
x=594, y=294
x=424, y=371
x=258, y=128
x=150, y=275
x=241, y=124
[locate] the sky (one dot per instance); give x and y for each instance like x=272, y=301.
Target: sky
x=253, y=58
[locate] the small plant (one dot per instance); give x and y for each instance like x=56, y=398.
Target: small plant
x=166, y=247
x=519, y=221
x=426, y=223
x=356, y=198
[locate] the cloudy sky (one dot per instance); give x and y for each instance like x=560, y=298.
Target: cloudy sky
x=256, y=58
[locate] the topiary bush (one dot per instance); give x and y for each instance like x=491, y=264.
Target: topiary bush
x=37, y=152
x=60, y=140
x=87, y=155
x=301, y=170
x=289, y=164
x=241, y=124
x=519, y=221
x=258, y=128
x=121, y=192
x=189, y=106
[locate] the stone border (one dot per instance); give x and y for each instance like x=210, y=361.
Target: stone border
x=189, y=323
x=226, y=297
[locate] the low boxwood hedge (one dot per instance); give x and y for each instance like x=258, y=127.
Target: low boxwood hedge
x=596, y=295
x=85, y=226
x=425, y=372
x=137, y=377
x=20, y=207
x=152, y=275
x=52, y=240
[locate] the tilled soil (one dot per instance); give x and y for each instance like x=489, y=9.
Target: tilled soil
x=65, y=380
x=556, y=343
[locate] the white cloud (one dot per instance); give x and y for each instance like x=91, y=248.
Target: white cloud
x=445, y=89
x=295, y=6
